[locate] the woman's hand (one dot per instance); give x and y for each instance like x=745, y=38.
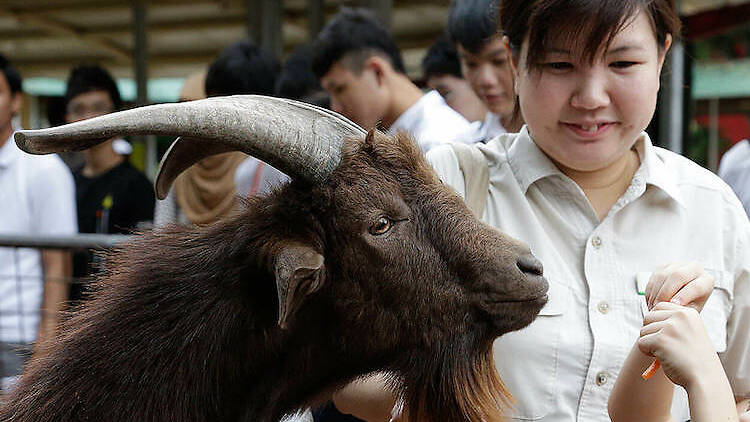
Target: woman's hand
x=677, y=337
x=686, y=284
x=743, y=410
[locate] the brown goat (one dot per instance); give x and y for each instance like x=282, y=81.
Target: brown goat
x=381, y=268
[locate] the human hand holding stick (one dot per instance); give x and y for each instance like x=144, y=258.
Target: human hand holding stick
x=682, y=284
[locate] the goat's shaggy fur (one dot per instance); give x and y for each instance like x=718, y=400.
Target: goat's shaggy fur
x=184, y=325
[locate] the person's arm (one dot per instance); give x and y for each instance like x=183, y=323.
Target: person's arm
x=368, y=399
x=57, y=271
x=743, y=410
x=633, y=399
x=677, y=337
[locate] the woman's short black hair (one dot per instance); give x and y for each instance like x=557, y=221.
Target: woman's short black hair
x=354, y=34
x=87, y=78
x=242, y=68
x=590, y=25
x=441, y=59
x=473, y=23
x=11, y=75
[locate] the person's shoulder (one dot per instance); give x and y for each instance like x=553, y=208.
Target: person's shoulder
x=495, y=151
x=44, y=168
x=735, y=158
x=689, y=175
x=688, y=171
x=134, y=178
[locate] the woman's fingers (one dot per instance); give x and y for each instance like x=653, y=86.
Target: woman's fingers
x=695, y=293
x=676, y=278
x=685, y=284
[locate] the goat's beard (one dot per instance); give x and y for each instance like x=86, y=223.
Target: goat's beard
x=461, y=383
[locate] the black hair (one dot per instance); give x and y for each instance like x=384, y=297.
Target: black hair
x=87, y=78
x=590, y=25
x=354, y=34
x=441, y=59
x=297, y=79
x=473, y=23
x=242, y=68
x=12, y=76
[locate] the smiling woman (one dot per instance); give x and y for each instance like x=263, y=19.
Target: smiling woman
x=584, y=186
x=603, y=209
x=599, y=204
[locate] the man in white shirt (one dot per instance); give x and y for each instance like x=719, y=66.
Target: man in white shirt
x=360, y=66
x=735, y=170
x=38, y=197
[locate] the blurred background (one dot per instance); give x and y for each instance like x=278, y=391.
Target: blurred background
x=151, y=46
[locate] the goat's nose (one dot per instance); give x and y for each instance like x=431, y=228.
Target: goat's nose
x=529, y=264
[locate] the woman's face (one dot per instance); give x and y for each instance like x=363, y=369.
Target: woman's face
x=587, y=116
x=489, y=75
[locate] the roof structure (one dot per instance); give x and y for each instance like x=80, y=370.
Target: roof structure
x=46, y=38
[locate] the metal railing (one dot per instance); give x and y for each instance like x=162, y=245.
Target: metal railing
x=72, y=242
x=17, y=286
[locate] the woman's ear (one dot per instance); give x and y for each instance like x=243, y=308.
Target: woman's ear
x=663, y=50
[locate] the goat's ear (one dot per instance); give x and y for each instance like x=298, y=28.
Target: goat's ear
x=299, y=273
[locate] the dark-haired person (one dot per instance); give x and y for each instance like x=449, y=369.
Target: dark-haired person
x=360, y=66
x=38, y=197
x=442, y=72
x=604, y=210
x=297, y=80
x=243, y=68
x=472, y=26
x=112, y=196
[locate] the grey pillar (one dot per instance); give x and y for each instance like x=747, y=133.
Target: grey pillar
x=315, y=17
x=383, y=9
x=254, y=15
x=713, y=135
x=672, y=113
x=272, y=36
x=264, y=20
x=140, y=52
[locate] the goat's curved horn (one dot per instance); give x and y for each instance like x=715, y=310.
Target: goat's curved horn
x=299, y=139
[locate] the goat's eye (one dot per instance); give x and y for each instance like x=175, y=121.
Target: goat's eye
x=380, y=227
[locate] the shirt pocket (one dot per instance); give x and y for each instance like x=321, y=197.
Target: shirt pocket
x=718, y=307
x=527, y=359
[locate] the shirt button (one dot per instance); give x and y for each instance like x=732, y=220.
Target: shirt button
x=596, y=241
x=602, y=378
x=603, y=306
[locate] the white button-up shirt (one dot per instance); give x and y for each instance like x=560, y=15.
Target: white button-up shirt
x=432, y=122
x=37, y=197
x=563, y=366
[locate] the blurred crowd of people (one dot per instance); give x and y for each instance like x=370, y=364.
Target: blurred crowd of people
x=473, y=94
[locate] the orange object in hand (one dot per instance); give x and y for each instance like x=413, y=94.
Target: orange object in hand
x=651, y=369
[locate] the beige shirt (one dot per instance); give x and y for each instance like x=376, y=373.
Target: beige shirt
x=563, y=366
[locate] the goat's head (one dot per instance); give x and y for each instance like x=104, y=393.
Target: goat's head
x=412, y=281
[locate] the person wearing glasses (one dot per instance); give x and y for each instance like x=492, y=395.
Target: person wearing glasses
x=112, y=196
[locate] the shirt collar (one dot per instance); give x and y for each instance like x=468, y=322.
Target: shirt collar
x=530, y=164
x=8, y=152
x=655, y=170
